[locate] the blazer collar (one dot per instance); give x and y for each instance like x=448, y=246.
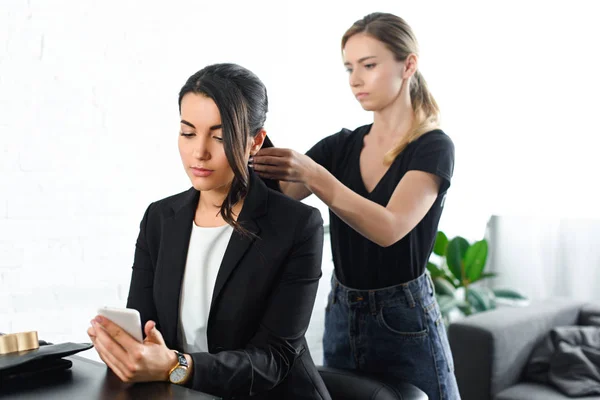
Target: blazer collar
x=177, y=232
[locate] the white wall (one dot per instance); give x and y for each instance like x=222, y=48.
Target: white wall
x=88, y=120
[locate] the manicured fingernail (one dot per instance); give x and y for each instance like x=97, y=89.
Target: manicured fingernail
x=99, y=319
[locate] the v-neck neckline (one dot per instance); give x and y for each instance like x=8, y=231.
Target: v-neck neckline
x=360, y=176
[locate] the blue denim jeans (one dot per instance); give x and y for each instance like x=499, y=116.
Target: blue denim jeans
x=396, y=333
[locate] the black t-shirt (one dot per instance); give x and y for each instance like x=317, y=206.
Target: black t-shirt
x=360, y=263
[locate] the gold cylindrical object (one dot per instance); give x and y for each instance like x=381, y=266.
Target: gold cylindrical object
x=8, y=344
x=21, y=341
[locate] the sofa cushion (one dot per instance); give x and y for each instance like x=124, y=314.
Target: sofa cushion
x=568, y=359
x=590, y=314
x=535, y=391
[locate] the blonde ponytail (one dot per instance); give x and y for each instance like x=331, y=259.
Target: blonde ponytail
x=427, y=116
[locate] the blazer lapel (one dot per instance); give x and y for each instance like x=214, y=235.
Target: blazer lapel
x=255, y=205
x=174, y=249
x=177, y=232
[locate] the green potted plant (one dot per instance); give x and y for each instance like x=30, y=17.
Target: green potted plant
x=461, y=265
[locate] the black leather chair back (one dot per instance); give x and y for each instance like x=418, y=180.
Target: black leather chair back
x=350, y=385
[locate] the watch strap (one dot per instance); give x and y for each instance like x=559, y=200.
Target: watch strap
x=181, y=359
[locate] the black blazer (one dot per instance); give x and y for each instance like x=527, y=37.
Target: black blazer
x=263, y=296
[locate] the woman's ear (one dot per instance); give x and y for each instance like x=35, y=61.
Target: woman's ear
x=257, y=142
x=410, y=66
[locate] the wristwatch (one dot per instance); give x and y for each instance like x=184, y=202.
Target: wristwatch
x=180, y=371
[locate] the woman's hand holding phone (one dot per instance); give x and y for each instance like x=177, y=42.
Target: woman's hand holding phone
x=129, y=359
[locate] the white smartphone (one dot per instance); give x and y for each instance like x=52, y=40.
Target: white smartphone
x=127, y=318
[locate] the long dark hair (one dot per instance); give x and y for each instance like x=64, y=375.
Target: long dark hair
x=243, y=104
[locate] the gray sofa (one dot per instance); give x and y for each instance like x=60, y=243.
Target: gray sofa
x=491, y=349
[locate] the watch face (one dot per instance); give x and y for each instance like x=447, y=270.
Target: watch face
x=178, y=374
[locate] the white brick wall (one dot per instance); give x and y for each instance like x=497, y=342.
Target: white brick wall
x=88, y=130
x=88, y=122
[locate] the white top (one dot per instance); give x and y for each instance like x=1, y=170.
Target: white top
x=205, y=254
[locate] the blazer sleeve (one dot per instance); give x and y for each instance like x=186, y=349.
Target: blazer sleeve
x=271, y=353
x=142, y=277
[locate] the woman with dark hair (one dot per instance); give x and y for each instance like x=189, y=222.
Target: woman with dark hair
x=225, y=274
x=385, y=185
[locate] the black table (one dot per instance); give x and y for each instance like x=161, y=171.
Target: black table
x=88, y=379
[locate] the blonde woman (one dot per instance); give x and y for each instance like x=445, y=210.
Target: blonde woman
x=385, y=185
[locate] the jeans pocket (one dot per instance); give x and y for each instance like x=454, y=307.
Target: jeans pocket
x=402, y=321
